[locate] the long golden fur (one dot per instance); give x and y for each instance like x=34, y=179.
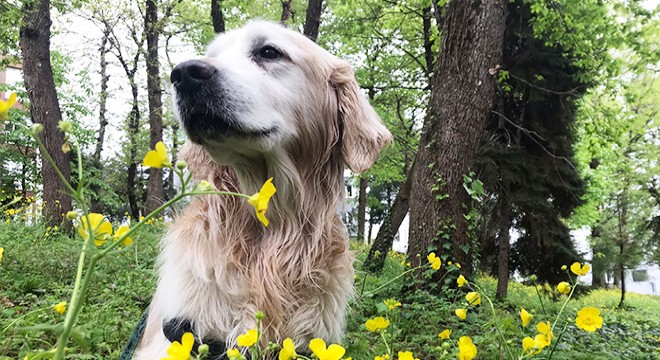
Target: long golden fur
x=218, y=264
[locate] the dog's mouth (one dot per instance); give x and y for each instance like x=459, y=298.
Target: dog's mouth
x=201, y=127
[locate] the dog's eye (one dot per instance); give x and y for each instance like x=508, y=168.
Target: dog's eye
x=269, y=53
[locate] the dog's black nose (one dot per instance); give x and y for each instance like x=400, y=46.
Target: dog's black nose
x=191, y=74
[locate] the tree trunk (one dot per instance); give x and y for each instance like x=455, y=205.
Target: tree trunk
x=216, y=16
x=133, y=129
x=462, y=96
x=155, y=193
x=362, y=207
x=286, y=11
x=622, y=274
x=623, y=241
x=371, y=228
x=503, y=241
x=103, y=121
x=44, y=106
x=313, y=19
x=383, y=243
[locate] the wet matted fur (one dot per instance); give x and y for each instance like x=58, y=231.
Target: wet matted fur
x=277, y=105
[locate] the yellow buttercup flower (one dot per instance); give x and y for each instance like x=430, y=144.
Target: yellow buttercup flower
x=121, y=232
x=392, y=304
x=233, y=354
x=406, y=355
x=260, y=200
x=248, y=339
x=461, y=281
x=457, y=265
x=580, y=270
x=525, y=317
x=444, y=335
x=564, y=287
x=473, y=298
x=461, y=313
x=101, y=228
x=434, y=261
x=6, y=105
x=332, y=352
x=377, y=324
x=530, y=346
x=181, y=350
x=384, y=357
x=157, y=158
x=60, y=307
x=545, y=336
x=466, y=349
x=288, y=350
x=2, y=252
x=589, y=319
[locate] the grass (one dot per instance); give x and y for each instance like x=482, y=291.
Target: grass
x=37, y=271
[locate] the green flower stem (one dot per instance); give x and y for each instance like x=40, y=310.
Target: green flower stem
x=50, y=160
x=496, y=320
x=382, y=335
x=538, y=294
x=563, y=307
x=552, y=351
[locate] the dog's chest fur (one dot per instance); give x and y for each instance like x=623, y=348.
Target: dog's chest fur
x=218, y=276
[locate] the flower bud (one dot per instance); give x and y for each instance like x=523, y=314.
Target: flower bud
x=203, y=349
x=181, y=164
x=533, y=278
x=204, y=186
x=259, y=315
x=564, y=268
x=36, y=129
x=72, y=215
x=65, y=126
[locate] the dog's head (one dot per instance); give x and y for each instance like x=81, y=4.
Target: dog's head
x=263, y=92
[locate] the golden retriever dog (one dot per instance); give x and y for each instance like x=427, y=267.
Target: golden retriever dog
x=264, y=102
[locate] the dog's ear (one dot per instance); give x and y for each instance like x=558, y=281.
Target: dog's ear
x=364, y=135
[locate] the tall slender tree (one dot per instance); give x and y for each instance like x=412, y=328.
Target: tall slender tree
x=313, y=19
x=44, y=105
x=463, y=91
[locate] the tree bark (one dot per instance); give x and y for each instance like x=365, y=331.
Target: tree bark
x=313, y=19
x=362, y=207
x=155, y=193
x=462, y=96
x=44, y=106
x=286, y=11
x=503, y=240
x=103, y=121
x=216, y=16
x=383, y=243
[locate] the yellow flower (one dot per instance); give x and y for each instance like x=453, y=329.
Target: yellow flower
x=564, y=287
x=564, y=267
x=260, y=200
x=406, y=355
x=461, y=281
x=2, y=252
x=100, y=227
x=121, y=232
x=288, y=350
x=580, y=270
x=60, y=307
x=545, y=335
x=384, y=357
x=332, y=352
x=248, y=339
x=377, y=324
x=434, y=261
x=525, y=317
x=444, y=335
x=458, y=265
x=531, y=347
x=466, y=349
x=392, y=304
x=6, y=105
x=473, y=298
x=157, y=158
x=589, y=319
x=461, y=313
x=181, y=350
x=233, y=354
